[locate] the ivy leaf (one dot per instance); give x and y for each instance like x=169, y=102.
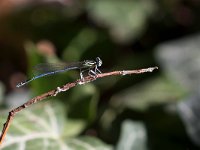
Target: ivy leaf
x=46, y=127
x=133, y=136
x=157, y=91
x=88, y=143
x=126, y=20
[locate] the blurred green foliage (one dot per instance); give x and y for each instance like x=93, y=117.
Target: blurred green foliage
x=126, y=20
x=124, y=35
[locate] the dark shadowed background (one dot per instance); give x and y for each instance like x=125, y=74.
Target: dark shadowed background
x=158, y=110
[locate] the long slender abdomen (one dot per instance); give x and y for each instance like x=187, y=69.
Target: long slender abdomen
x=42, y=75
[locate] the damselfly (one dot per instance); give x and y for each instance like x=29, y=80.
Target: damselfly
x=47, y=69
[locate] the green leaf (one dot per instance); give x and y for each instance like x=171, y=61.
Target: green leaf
x=156, y=91
x=47, y=82
x=126, y=19
x=88, y=143
x=79, y=44
x=83, y=103
x=46, y=126
x=133, y=136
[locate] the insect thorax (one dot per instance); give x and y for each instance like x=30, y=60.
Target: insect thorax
x=89, y=63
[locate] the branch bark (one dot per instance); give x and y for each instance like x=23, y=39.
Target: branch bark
x=65, y=87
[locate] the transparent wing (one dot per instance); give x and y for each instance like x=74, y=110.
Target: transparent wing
x=52, y=67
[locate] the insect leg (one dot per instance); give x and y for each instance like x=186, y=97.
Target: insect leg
x=97, y=70
x=81, y=73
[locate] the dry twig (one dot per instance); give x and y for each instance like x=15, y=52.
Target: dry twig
x=65, y=87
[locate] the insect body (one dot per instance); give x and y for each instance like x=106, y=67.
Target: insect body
x=47, y=69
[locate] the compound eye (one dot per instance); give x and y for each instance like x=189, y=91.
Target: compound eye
x=99, y=61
